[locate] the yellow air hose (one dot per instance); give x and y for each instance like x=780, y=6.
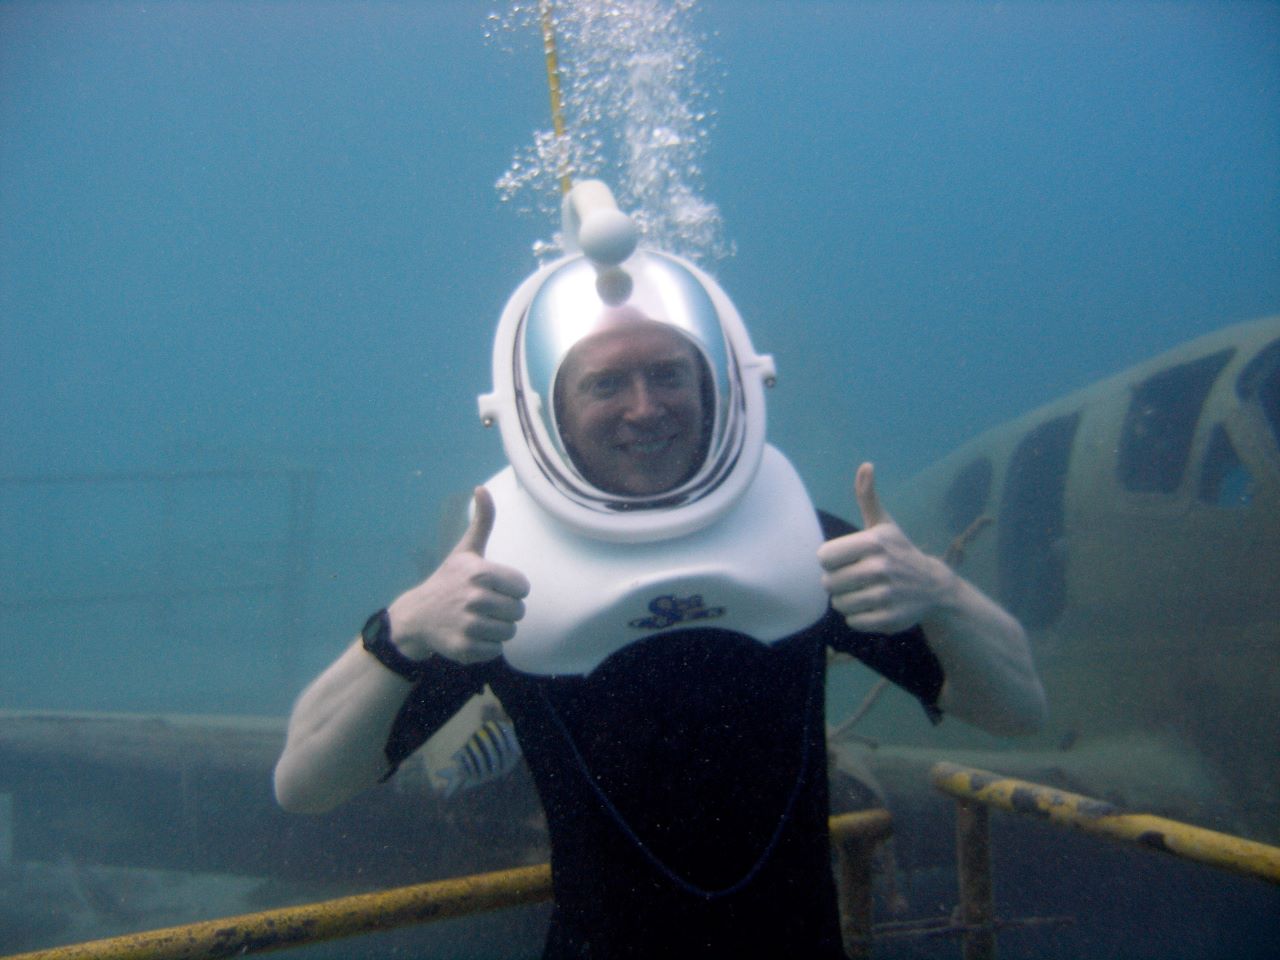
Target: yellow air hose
x=553, y=86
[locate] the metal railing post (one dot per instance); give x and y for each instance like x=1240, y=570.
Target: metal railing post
x=854, y=863
x=973, y=864
x=855, y=836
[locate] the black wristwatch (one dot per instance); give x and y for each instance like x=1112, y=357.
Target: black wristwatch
x=376, y=637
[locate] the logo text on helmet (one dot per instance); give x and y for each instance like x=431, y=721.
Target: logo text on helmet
x=668, y=610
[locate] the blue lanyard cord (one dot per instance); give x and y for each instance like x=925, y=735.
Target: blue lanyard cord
x=689, y=886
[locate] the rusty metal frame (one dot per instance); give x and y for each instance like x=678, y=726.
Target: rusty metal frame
x=977, y=790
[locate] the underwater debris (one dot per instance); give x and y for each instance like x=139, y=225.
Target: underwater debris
x=956, y=550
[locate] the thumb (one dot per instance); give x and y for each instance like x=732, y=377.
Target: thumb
x=864, y=487
x=477, y=535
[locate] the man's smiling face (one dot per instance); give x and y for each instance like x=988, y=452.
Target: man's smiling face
x=630, y=407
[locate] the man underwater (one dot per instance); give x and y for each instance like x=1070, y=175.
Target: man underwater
x=651, y=595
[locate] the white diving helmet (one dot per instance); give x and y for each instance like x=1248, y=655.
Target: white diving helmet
x=608, y=286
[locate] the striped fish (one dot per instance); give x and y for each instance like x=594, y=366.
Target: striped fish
x=490, y=754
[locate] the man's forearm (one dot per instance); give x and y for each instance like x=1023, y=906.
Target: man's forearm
x=991, y=680
x=337, y=732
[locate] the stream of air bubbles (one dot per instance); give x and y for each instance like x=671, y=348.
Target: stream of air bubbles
x=636, y=117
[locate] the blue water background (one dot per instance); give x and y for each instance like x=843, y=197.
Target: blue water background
x=264, y=237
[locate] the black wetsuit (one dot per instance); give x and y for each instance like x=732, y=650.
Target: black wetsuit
x=685, y=784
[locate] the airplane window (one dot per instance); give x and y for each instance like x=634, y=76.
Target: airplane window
x=1031, y=541
x=1224, y=479
x=1260, y=382
x=1161, y=422
x=967, y=496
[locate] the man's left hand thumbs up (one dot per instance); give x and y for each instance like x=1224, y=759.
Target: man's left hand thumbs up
x=878, y=578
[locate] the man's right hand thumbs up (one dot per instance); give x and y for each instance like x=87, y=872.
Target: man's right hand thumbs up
x=469, y=607
x=476, y=537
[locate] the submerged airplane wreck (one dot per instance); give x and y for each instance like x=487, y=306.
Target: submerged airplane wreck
x=1134, y=529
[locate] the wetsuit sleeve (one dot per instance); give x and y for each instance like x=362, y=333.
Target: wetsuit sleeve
x=442, y=692
x=903, y=658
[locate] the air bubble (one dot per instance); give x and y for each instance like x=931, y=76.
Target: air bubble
x=636, y=118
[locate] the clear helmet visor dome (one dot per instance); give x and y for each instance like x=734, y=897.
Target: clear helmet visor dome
x=630, y=401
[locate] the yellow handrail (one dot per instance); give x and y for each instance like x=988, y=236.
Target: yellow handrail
x=372, y=912
x=316, y=922
x=1220, y=850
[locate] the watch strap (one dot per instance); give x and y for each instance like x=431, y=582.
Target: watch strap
x=376, y=638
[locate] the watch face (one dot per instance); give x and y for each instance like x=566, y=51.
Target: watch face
x=375, y=629
x=376, y=638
